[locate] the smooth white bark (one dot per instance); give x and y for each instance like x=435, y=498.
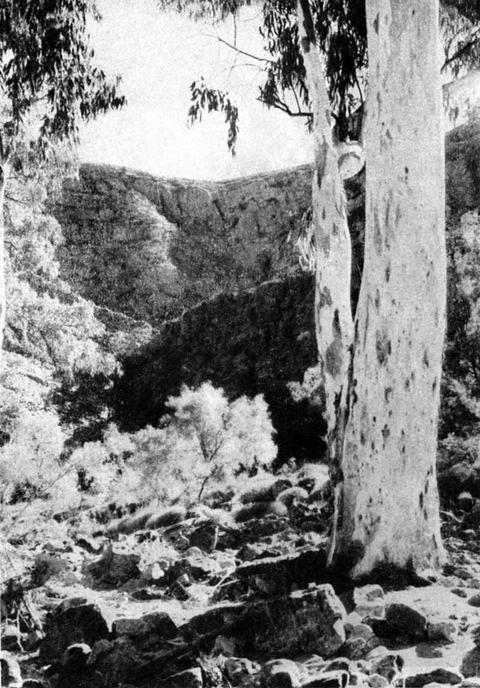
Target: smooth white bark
x=388, y=512
x=333, y=316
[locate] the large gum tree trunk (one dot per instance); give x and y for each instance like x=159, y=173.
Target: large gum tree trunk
x=3, y=299
x=389, y=511
x=333, y=315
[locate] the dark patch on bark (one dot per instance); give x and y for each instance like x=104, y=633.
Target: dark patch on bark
x=325, y=298
x=377, y=232
x=321, y=161
x=384, y=347
x=385, y=433
x=334, y=352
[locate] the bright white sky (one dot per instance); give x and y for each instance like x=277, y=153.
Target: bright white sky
x=158, y=56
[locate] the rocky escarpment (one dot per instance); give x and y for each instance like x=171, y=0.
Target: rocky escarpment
x=152, y=247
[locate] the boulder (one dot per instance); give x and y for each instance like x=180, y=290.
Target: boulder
x=280, y=575
x=240, y=671
x=441, y=676
x=441, y=631
x=281, y=673
x=404, y=624
x=113, y=567
x=369, y=601
x=474, y=600
x=190, y=678
x=113, y=662
x=147, y=632
x=328, y=679
x=470, y=665
x=11, y=638
x=74, y=659
x=216, y=618
x=11, y=676
x=306, y=621
x=73, y=621
x=385, y=664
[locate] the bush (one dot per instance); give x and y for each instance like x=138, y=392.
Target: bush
x=207, y=440
x=31, y=465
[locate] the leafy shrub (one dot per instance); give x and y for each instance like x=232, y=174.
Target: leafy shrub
x=207, y=440
x=65, y=335
x=31, y=465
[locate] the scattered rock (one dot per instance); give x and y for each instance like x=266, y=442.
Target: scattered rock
x=190, y=678
x=377, y=681
x=47, y=566
x=306, y=621
x=146, y=632
x=460, y=592
x=474, y=600
x=113, y=567
x=215, y=618
x=73, y=621
x=89, y=544
x=470, y=665
x=239, y=670
x=404, y=623
x=11, y=676
x=75, y=657
x=279, y=575
x=441, y=676
x=11, y=638
x=465, y=501
x=441, y=631
x=328, y=679
x=369, y=601
x=115, y=661
x=385, y=664
x=225, y=646
x=281, y=673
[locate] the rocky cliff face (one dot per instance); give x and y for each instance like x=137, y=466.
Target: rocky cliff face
x=152, y=248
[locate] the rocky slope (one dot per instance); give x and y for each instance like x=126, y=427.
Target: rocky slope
x=215, y=598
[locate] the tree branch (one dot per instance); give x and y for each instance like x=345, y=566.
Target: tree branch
x=243, y=52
